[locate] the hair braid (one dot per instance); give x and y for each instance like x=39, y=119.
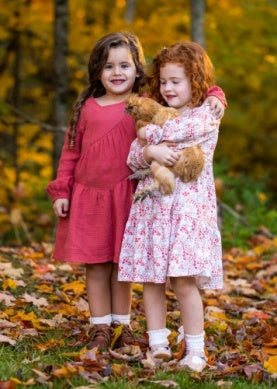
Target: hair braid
x=76, y=114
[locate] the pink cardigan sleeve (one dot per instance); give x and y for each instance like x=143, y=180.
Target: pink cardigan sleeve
x=217, y=92
x=61, y=187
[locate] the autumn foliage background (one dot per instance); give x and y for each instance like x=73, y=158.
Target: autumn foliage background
x=241, y=41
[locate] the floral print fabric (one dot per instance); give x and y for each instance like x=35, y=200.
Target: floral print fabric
x=176, y=235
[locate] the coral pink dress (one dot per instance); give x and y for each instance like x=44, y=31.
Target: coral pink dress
x=94, y=177
x=176, y=235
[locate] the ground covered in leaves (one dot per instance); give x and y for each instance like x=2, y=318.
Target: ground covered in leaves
x=44, y=326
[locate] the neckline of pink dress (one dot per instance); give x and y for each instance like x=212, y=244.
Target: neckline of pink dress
x=108, y=105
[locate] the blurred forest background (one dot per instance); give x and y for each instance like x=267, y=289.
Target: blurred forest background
x=240, y=38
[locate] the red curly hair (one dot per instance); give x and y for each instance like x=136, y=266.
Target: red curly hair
x=197, y=67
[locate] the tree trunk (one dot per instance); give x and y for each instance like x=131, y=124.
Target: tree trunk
x=197, y=12
x=15, y=96
x=60, y=77
x=130, y=11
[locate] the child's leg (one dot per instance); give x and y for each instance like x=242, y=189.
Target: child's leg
x=154, y=305
x=98, y=288
x=155, y=309
x=121, y=297
x=191, y=307
x=99, y=299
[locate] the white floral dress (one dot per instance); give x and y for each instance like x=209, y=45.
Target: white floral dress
x=176, y=235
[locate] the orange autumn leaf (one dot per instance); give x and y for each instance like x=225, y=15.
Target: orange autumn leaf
x=77, y=287
x=45, y=288
x=271, y=365
x=66, y=371
x=51, y=344
x=30, y=382
x=28, y=317
x=270, y=350
x=117, y=332
x=7, y=384
x=258, y=314
x=272, y=343
x=9, y=283
x=122, y=371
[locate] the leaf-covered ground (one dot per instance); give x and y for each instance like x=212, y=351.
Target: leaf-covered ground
x=44, y=322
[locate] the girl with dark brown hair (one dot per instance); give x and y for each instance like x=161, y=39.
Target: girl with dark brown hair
x=91, y=194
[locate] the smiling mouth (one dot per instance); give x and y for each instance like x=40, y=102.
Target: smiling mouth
x=117, y=82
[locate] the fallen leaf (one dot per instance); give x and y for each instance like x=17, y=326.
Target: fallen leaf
x=8, y=270
x=77, y=287
x=129, y=353
x=30, y=382
x=117, y=333
x=43, y=378
x=6, y=339
x=9, y=283
x=166, y=383
x=122, y=371
x=7, y=385
x=7, y=298
x=65, y=371
x=224, y=384
x=249, y=370
x=148, y=363
x=39, y=302
x=271, y=365
x=7, y=324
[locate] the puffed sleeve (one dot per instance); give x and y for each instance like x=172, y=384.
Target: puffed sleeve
x=61, y=187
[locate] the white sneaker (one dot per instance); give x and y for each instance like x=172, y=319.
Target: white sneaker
x=161, y=351
x=194, y=362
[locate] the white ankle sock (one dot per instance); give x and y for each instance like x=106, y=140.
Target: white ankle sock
x=101, y=320
x=122, y=319
x=195, y=343
x=158, y=337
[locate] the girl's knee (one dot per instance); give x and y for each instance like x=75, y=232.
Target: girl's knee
x=183, y=285
x=153, y=287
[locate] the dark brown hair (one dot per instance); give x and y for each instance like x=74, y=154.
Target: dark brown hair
x=97, y=61
x=197, y=66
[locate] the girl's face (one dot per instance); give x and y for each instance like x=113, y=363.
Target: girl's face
x=119, y=73
x=175, y=86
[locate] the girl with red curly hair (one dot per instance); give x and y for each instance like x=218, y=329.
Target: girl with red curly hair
x=177, y=236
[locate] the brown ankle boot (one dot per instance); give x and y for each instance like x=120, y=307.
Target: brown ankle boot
x=127, y=337
x=100, y=337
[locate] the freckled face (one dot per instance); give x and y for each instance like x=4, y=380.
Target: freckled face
x=119, y=73
x=175, y=86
